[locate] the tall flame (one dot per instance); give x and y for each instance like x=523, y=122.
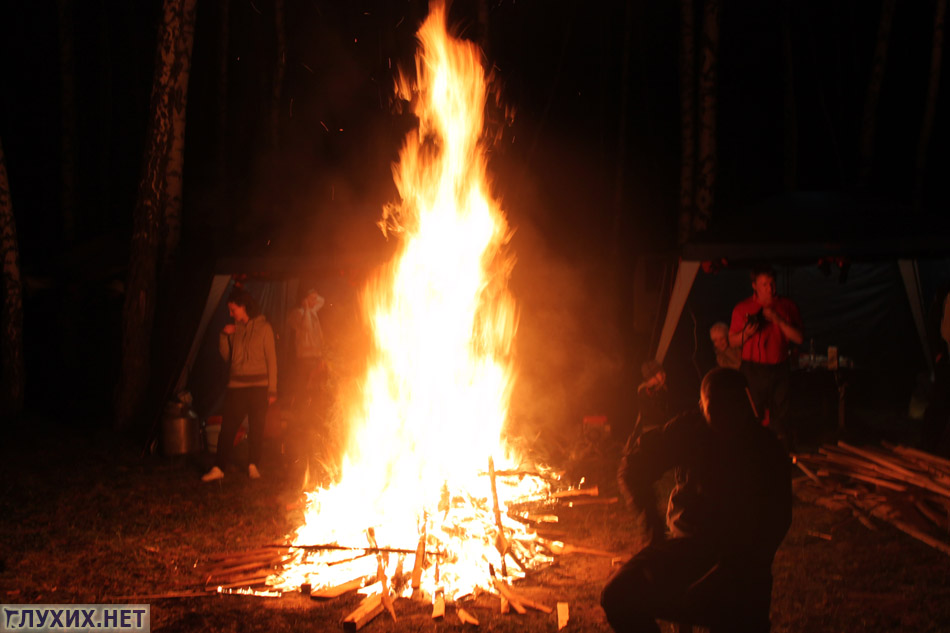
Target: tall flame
x=435, y=396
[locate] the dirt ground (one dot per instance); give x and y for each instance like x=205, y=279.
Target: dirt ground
x=88, y=518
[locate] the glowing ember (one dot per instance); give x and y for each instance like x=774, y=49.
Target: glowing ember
x=435, y=397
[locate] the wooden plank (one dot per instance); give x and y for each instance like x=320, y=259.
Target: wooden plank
x=563, y=615
x=504, y=607
x=369, y=608
x=328, y=593
x=466, y=617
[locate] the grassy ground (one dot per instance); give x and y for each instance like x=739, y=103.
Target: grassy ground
x=86, y=518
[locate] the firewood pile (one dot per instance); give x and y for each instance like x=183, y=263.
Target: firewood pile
x=906, y=487
x=248, y=572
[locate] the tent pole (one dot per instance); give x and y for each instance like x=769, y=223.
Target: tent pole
x=685, y=276
x=911, y=276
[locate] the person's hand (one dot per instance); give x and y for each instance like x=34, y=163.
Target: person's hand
x=750, y=328
x=228, y=329
x=770, y=315
x=271, y=399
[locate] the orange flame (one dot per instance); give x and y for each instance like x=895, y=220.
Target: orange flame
x=436, y=394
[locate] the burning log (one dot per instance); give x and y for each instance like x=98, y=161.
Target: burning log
x=500, y=542
x=466, y=617
x=369, y=608
x=562, y=615
x=504, y=606
x=420, y=558
x=579, y=492
x=329, y=593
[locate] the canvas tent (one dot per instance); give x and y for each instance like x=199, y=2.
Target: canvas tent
x=276, y=283
x=875, y=302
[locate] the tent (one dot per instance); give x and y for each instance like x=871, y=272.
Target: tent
x=865, y=274
x=276, y=283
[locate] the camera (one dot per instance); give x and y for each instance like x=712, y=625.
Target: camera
x=757, y=319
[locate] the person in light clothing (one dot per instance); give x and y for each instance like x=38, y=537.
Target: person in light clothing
x=248, y=346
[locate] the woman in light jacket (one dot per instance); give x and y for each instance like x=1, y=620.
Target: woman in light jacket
x=248, y=344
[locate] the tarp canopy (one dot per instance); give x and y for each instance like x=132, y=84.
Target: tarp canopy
x=875, y=298
x=276, y=283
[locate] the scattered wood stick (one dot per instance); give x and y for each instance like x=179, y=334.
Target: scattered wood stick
x=336, y=591
x=563, y=615
x=333, y=546
x=577, y=492
x=506, y=593
x=466, y=617
x=245, y=582
x=369, y=608
x=438, y=606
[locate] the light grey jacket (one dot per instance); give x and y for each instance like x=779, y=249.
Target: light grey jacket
x=252, y=354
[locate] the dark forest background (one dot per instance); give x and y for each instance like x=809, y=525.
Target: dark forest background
x=589, y=167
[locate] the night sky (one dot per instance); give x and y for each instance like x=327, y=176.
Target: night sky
x=595, y=137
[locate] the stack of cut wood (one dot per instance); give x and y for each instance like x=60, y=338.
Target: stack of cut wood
x=906, y=487
x=248, y=570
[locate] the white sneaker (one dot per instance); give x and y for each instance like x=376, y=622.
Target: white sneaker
x=252, y=472
x=213, y=475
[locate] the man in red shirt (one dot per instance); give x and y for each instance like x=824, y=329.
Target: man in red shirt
x=763, y=325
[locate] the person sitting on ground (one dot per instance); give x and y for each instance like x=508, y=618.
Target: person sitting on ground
x=652, y=398
x=727, y=515
x=248, y=345
x=726, y=355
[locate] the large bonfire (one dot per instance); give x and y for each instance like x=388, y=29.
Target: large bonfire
x=435, y=398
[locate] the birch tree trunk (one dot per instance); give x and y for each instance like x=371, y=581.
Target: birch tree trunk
x=687, y=117
x=869, y=121
x=138, y=312
x=930, y=111
x=67, y=74
x=279, y=69
x=177, y=106
x=705, y=195
x=12, y=371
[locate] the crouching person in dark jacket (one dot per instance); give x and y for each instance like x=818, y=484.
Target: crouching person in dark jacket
x=728, y=513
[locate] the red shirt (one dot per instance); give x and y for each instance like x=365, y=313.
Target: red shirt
x=768, y=345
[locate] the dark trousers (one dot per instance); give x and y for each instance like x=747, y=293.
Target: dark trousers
x=768, y=385
x=240, y=402
x=679, y=580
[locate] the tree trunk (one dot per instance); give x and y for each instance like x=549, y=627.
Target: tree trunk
x=687, y=116
x=279, y=69
x=104, y=201
x=67, y=74
x=869, y=121
x=12, y=372
x=177, y=104
x=791, y=111
x=617, y=225
x=707, y=117
x=930, y=110
x=224, y=35
x=138, y=312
